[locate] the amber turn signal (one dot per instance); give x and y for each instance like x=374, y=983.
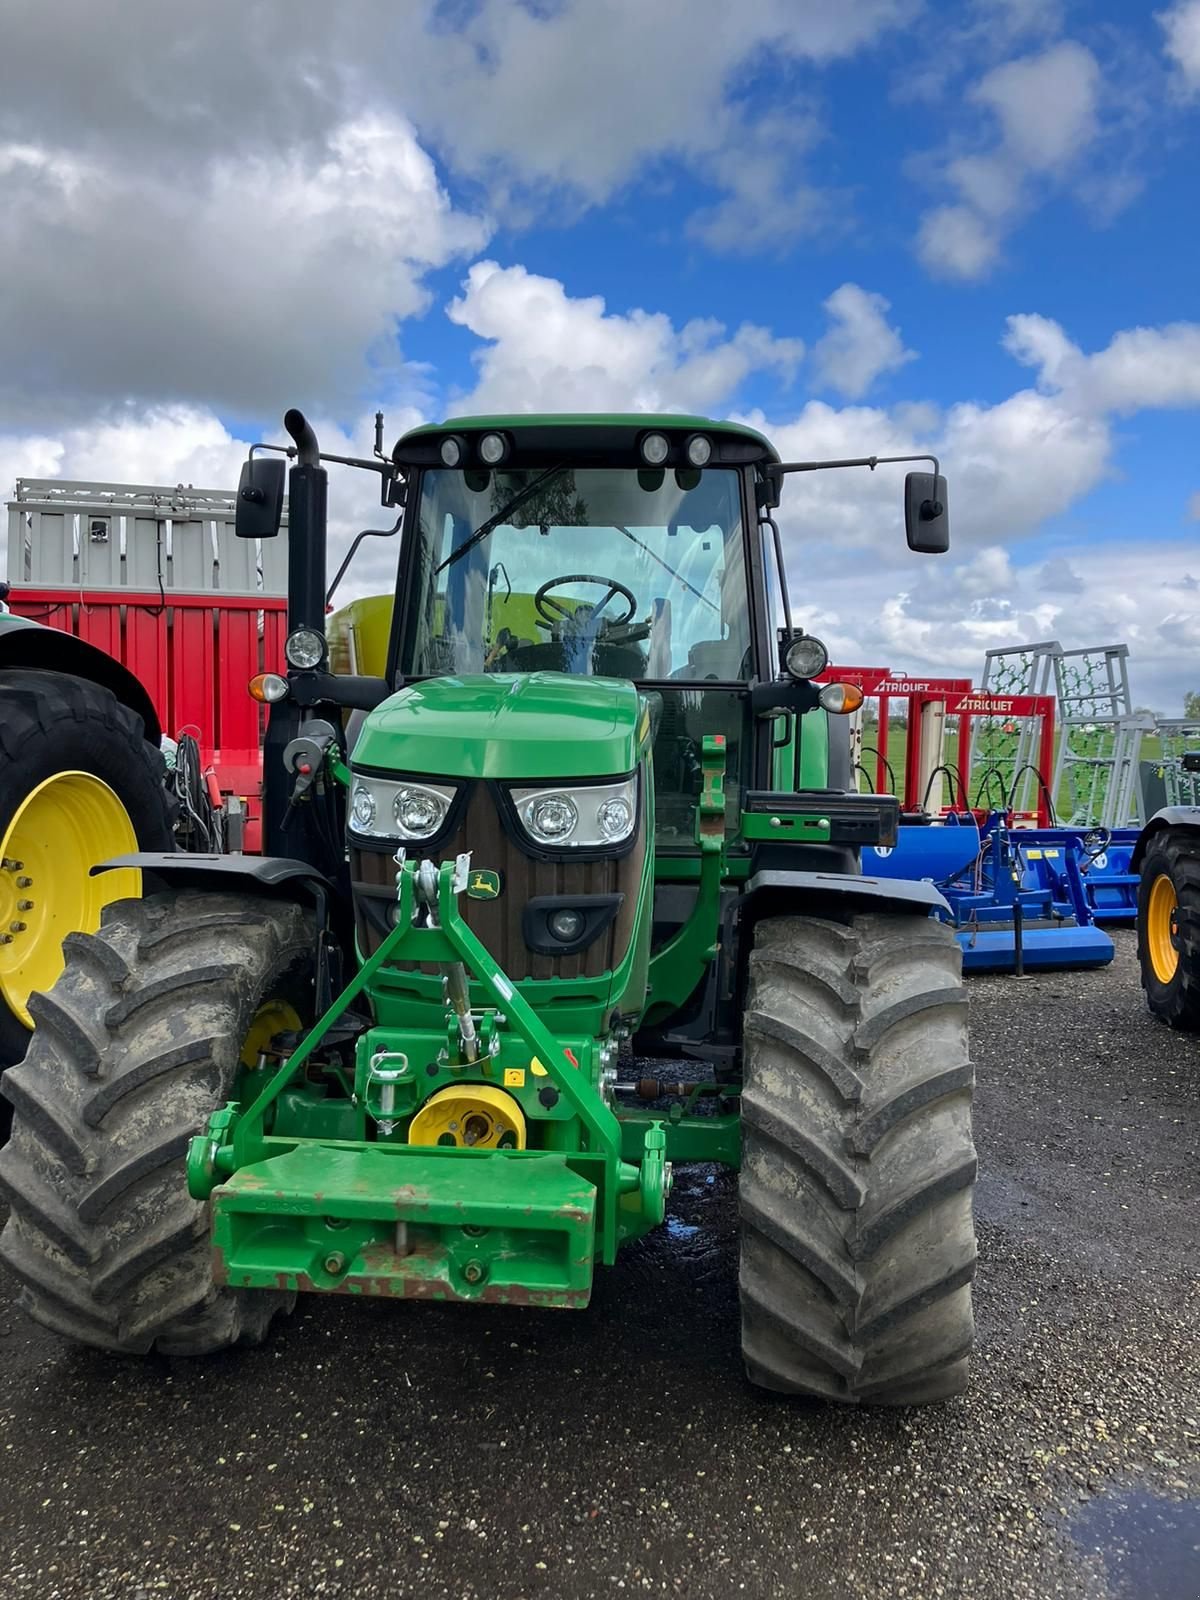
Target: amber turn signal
x=268, y=687
x=841, y=698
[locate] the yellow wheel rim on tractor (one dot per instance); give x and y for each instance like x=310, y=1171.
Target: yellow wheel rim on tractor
x=62, y=829
x=1162, y=928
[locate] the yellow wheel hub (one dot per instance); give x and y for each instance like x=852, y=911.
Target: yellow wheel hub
x=1162, y=928
x=474, y=1115
x=272, y=1017
x=62, y=829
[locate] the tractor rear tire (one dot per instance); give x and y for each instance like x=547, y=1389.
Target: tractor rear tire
x=137, y=1044
x=858, y=1167
x=1168, y=927
x=79, y=782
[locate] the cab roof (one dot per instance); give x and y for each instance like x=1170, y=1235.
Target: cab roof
x=589, y=433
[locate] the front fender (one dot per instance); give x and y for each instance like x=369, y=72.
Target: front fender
x=771, y=892
x=277, y=875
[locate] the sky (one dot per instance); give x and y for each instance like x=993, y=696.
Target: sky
x=869, y=228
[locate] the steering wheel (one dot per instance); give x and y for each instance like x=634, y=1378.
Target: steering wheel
x=545, y=604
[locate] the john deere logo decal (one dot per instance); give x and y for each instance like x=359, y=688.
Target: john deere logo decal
x=483, y=885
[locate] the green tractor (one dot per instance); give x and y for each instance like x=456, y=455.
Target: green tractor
x=1167, y=859
x=81, y=780
x=588, y=806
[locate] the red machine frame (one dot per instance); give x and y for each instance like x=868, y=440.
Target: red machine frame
x=960, y=699
x=195, y=655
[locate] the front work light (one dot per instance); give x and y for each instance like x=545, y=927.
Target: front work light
x=806, y=657
x=305, y=648
x=655, y=449
x=493, y=448
x=699, y=450
x=451, y=451
x=841, y=698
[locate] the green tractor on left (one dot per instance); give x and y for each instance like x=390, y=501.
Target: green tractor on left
x=81, y=781
x=584, y=804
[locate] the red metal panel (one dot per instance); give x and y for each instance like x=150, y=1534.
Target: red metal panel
x=51, y=610
x=237, y=663
x=274, y=633
x=100, y=624
x=146, y=653
x=193, y=687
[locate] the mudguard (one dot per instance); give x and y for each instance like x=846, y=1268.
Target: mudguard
x=1168, y=817
x=263, y=874
x=784, y=889
x=25, y=643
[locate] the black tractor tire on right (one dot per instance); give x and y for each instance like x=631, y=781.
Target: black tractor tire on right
x=858, y=1166
x=1173, y=853
x=135, y=1046
x=51, y=722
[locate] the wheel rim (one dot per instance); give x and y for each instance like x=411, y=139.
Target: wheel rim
x=272, y=1017
x=62, y=829
x=1162, y=929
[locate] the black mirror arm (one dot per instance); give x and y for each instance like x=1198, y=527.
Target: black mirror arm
x=776, y=469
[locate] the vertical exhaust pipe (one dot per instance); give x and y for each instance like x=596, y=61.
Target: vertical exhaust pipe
x=307, y=493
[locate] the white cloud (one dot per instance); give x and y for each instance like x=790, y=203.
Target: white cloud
x=546, y=350
x=1046, y=111
x=861, y=345
x=271, y=278
x=1045, y=104
x=581, y=95
x=1140, y=368
x=955, y=242
x=1181, y=25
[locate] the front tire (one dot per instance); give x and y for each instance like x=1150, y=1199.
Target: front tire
x=858, y=1167
x=1168, y=927
x=139, y=1041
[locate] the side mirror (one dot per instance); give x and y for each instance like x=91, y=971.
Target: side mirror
x=926, y=513
x=260, y=498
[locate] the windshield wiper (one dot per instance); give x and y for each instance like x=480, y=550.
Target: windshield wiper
x=492, y=523
x=666, y=565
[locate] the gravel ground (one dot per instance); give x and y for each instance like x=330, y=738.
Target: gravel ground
x=390, y=1450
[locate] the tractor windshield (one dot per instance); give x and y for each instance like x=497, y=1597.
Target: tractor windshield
x=598, y=570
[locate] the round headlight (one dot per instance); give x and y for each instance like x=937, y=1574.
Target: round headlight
x=493, y=448
x=806, y=657
x=551, y=818
x=305, y=648
x=566, y=925
x=419, y=813
x=451, y=452
x=615, y=817
x=362, y=808
x=655, y=449
x=699, y=450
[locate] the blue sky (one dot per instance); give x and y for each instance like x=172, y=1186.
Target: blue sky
x=822, y=218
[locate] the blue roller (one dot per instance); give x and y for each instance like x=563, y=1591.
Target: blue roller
x=1018, y=898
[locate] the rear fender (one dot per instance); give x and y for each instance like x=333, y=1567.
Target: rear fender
x=25, y=643
x=1168, y=817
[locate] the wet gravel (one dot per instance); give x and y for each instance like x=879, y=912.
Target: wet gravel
x=383, y=1450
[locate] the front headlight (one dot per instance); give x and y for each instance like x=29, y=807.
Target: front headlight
x=588, y=817
x=405, y=810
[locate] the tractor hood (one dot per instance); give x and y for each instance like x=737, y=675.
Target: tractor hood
x=506, y=725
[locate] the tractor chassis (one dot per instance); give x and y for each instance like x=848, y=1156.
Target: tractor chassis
x=302, y=1199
